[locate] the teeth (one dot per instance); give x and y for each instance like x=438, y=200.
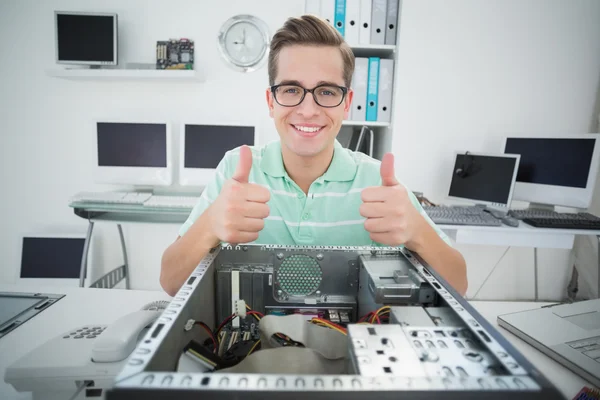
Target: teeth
x=306, y=128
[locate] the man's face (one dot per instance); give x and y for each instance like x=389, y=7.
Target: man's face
x=308, y=129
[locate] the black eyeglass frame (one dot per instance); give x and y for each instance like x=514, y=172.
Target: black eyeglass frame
x=311, y=91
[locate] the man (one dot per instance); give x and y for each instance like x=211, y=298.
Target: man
x=306, y=189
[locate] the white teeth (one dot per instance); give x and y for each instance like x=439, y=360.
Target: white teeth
x=306, y=128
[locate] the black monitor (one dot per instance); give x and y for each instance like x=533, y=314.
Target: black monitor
x=484, y=178
x=556, y=170
x=202, y=147
x=52, y=256
x=86, y=38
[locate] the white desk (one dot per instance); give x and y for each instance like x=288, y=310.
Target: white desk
x=522, y=236
x=83, y=306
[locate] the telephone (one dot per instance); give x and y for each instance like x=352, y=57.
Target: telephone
x=83, y=354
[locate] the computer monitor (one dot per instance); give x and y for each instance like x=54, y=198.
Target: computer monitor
x=202, y=146
x=134, y=153
x=85, y=38
x=52, y=258
x=486, y=179
x=556, y=170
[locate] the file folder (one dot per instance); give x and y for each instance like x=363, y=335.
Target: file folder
x=364, y=26
x=352, y=22
x=386, y=87
x=328, y=11
x=312, y=7
x=372, y=89
x=359, y=85
x=392, y=21
x=378, y=21
x=340, y=16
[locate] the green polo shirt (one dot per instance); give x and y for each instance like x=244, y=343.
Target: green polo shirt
x=327, y=216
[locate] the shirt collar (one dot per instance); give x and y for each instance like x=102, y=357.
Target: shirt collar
x=342, y=167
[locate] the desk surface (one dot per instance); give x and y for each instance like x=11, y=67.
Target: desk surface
x=82, y=306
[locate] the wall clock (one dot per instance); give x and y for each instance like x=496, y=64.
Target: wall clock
x=244, y=42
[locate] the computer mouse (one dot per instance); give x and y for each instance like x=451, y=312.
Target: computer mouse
x=510, y=221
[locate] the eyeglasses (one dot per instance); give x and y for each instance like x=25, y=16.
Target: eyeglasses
x=327, y=96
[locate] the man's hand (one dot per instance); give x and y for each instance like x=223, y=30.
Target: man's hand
x=391, y=217
x=237, y=215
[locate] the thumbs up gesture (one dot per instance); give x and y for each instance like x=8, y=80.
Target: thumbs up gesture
x=391, y=218
x=238, y=213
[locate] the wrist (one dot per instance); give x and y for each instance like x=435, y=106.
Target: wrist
x=424, y=237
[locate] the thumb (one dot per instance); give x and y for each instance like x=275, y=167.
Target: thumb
x=388, y=177
x=244, y=164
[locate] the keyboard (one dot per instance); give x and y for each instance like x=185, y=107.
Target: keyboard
x=521, y=214
x=461, y=216
x=172, y=201
x=588, y=347
x=563, y=223
x=111, y=197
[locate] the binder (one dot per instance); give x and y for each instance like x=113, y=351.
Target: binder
x=352, y=22
x=312, y=7
x=372, y=89
x=328, y=11
x=359, y=85
x=392, y=21
x=386, y=86
x=364, y=26
x=378, y=21
x=340, y=16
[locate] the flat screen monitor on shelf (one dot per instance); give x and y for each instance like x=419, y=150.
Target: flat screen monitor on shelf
x=556, y=170
x=133, y=153
x=86, y=38
x=203, y=146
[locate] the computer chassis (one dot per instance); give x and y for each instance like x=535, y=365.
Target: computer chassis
x=386, y=361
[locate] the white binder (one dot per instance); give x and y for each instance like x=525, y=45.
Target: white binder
x=378, y=20
x=312, y=7
x=352, y=22
x=359, y=85
x=386, y=86
x=392, y=21
x=328, y=11
x=364, y=29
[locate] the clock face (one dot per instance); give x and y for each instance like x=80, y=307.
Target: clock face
x=244, y=42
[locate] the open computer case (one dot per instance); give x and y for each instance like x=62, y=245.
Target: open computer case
x=428, y=341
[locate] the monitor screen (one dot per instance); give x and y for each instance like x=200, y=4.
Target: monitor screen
x=133, y=153
x=132, y=144
x=487, y=179
x=553, y=161
x=205, y=145
x=86, y=38
x=51, y=257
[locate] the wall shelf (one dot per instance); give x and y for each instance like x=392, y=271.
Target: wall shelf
x=126, y=74
x=367, y=123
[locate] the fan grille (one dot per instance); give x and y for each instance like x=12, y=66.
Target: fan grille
x=299, y=275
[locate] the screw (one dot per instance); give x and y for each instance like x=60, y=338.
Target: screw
x=320, y=257
x=318, y=292
x=280, y=256
x=279, y=292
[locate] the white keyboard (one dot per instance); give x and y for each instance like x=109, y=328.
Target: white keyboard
x=111, y=197
x=172, y=201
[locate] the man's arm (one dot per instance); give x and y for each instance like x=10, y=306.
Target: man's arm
x=447, y=261
x=183, y=255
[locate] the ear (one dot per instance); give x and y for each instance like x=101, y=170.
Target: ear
x=348, y=103
x=270, y=101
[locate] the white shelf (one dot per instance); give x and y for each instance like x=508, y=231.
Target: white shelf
x=126, y=74
x=367, y=123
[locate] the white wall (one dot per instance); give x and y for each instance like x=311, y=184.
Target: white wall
x=472, y=71
x=469, y=72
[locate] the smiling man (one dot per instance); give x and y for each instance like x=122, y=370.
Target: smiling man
x=306, y=189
